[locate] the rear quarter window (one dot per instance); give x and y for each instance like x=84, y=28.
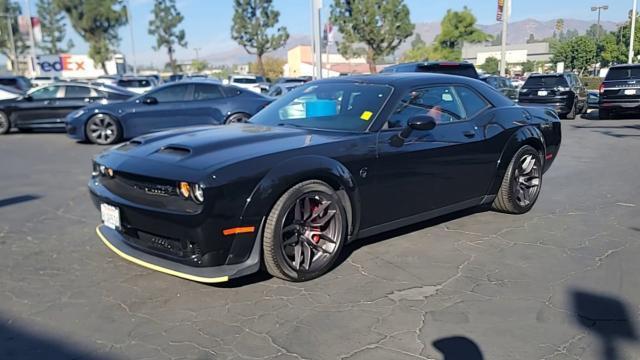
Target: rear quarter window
x=623, y=73
x=545, y=82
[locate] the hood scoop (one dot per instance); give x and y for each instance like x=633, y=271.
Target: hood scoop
x=174, y=150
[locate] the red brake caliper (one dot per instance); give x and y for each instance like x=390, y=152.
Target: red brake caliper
x=315, y=237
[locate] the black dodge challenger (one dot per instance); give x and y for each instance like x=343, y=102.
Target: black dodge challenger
x=330, y=162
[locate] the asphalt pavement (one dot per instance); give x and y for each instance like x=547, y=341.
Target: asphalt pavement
x=560, y=282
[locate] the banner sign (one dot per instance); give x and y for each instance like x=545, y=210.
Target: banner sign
x=500, y=12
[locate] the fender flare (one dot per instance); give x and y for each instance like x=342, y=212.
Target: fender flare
x=527, y=135
x=296, y=170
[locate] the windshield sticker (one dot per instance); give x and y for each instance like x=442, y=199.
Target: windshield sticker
x=366, y=115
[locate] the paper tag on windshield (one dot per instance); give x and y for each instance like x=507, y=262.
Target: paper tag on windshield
x=366, y=115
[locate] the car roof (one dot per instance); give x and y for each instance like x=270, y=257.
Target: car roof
x=403, y=78
x=624, y=65
x=95, y=85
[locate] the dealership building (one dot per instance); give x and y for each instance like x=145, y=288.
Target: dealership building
x=515, y=54
x=300, y=63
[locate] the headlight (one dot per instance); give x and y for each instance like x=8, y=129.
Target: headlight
x=184, y=189
x=198, y=193
x=95, y=171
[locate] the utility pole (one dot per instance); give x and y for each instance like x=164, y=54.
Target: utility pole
x=197, y=50
x=503, y=47
x=316, y=7
x=12, y=44
x=133, y=44
x=633, y=30
x=32, y=64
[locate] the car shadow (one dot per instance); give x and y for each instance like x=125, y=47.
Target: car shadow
x=595, y=115
x=18, y=199
x=458, y=348
x=606, y=317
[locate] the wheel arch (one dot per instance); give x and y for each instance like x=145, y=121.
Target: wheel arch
x=528, y=135
x=296, y=170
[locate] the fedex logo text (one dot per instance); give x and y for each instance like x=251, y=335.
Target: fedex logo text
x=64, y=63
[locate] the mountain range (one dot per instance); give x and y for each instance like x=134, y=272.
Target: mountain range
x=517, y=33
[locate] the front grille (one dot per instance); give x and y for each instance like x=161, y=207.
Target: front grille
x=179, y=249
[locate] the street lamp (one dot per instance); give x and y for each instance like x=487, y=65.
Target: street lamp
x=599, y=8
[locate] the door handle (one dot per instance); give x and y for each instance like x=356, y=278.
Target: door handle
x=48, y=102
x=469, y=133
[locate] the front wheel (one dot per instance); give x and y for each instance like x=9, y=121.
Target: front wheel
x=237, y=118
x=521, y=183
x=305, y=232
x=102, y=129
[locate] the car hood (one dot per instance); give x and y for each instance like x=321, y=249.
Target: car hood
x=213, y=147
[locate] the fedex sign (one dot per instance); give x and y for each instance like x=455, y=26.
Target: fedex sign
x=62, y=63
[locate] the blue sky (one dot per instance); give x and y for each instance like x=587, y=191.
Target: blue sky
x=207, y=22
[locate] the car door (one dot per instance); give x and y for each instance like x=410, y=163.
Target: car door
x=206, y=105
x=75, y=97
x=581, y=92
x=439, y=168
x=159, y=109
x=38, y=108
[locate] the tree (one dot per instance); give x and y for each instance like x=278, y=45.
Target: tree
x=97, y=22
x=53, y=28
x=164, y=26
x=578, y=53
x=457, y=27
x=416, y=53
x=272, y=67
x=12, y=10
x=417, y=41
x=197, y=65
x=491, y=65
x=252, y=20
x=529, y=66
x=595, y=31
x=371, y=28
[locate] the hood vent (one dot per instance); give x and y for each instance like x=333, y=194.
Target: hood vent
x=129, y=145
x=175, y=150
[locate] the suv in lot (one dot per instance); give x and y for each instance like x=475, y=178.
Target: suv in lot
x=503, y=85
x=461, y=68
x=620, y=91
x=562, y=92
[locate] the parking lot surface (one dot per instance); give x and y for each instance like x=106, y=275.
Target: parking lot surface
x=560, y=282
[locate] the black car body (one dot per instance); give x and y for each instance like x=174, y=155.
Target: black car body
x=563, y=93
x=175, y=104
x=46, y=107
x=352, y=156
x=503, y=85
x=440, y=67
x=620, y=91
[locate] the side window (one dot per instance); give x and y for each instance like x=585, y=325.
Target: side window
x=570, y=80
x=206, y=92
x=577, y=80
x=277, y=91
x=49, y=92
x=473, y=103
x=170, y=93
x=77, y=92
x=439, y=102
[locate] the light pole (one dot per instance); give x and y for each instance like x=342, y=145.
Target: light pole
x=197, y=50
x=598, y=8
x=503, y=46
x=633, y=30
x=32, y=65
x=133, y=45
x=14, y=59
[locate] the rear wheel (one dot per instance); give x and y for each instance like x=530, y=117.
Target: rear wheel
x=572, y=114
x=5, y=123
x=237, y=118
x=521, y=183
x=102, y=129
x=305, y=232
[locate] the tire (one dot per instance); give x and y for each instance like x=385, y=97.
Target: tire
x=287, y=259
x=103, y=129
x=237, y=118
x=5, y=123
x=572, y=114
x=604, y=114
x=520, y=186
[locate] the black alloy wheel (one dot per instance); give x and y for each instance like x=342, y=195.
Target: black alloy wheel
x=5, y=124
x=304, y=232
x=521, y=183
x=103, y=130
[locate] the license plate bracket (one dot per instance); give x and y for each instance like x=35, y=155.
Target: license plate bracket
x=630, y=91
x=542, y=93
x=110, y=216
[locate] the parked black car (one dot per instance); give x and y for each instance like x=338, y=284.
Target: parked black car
x=441, y=67
x=330, y=162
x=46, y=107
x=620, y=91
x=172, y=105
x=562, y=92
x=503, y=85
x=19, y=82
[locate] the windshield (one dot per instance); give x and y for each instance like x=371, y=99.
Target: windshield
x=552, y=81
x=623, y=73
x=244, y=80
x=134, y=83
x=330, y=106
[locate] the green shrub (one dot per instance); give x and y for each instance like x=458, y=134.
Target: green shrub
x=591, y=82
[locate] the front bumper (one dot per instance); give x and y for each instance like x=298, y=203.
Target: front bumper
x=75, y=129
x=620, y=105
x=116, y=241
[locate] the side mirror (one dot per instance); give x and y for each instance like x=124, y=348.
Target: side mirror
x=149, y=100
x=420, y=123
x=27, y=97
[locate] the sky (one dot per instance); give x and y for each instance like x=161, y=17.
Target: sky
x=207, y=22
